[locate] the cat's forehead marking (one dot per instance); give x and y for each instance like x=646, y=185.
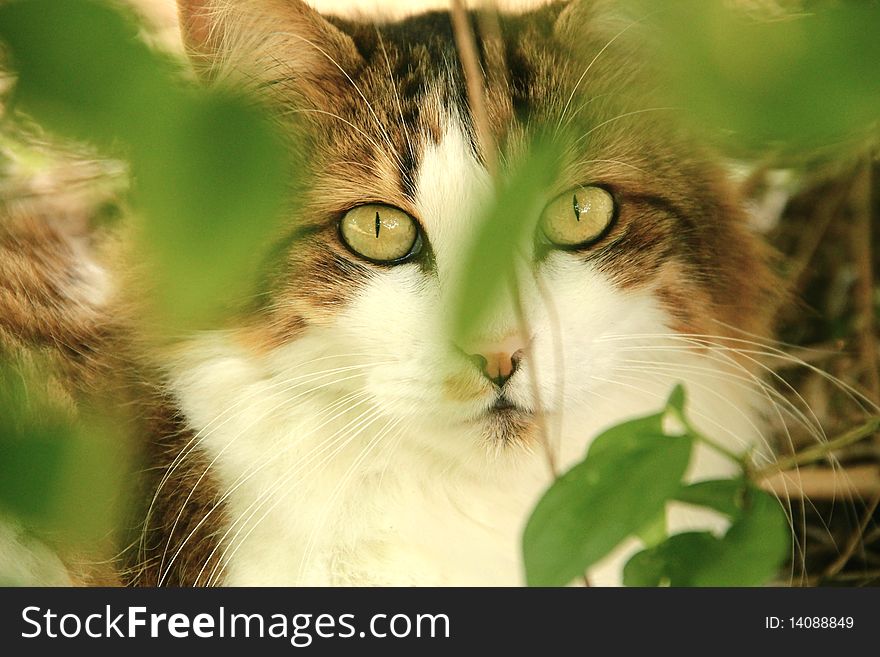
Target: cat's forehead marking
x=451, y=188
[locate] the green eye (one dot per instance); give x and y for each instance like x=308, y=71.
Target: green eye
x=380, y=233
x=578, y=217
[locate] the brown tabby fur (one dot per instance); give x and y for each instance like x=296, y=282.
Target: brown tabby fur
x=680, y=223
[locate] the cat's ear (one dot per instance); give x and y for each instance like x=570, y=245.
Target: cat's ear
x=281, y=45
x=575, y=16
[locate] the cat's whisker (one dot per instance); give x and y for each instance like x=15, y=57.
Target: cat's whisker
x=358, y=398
x=562, y=125
x=204, y=518
x=334, y=444
x=660, y=397
x=812, y=425
x=767, y=349
x=324, y=454
x=786, y=504
x=620, y=117
x=672, y=372
x=313, y=110
x=818, y=433
x=401, y=433
x=546, y=297
x=341, y=485
x=701, y=344
x=235, y=438
x=392, y=151
x=254, y=393
x=584, y=163
x=251, y=471
x=590, y=65
x=381, y=434
x=230, y=412
x=404, y=125
x=671, y=378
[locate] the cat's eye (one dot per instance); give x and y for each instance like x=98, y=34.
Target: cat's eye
x=578, y=217
x=381, y=233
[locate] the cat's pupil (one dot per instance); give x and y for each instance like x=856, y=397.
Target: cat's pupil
x=577, y=207
x=378, y=225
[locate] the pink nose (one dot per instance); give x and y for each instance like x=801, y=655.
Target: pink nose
x=498, y=360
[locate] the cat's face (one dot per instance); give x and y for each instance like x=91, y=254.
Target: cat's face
x=393, y=186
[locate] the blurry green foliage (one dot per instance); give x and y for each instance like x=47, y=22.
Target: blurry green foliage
x=621, y=489
x=63, y=479
x=210, y=170
x=791, y=82
x=209, y=178
x=490, y=263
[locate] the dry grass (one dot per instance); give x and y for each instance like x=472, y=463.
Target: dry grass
x=830, y=238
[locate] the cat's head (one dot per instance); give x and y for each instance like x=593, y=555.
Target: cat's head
x=641, y=237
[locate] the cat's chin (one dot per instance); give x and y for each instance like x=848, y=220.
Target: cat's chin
x=507, y=424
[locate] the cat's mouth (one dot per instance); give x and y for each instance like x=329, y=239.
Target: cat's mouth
x=503, y=404
x=507, y=422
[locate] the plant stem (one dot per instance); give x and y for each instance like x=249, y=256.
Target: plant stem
x=854, y=541
x=818, y=452
x=540, y=419
x=466, y=44
x=721, y=449
x=864, y=300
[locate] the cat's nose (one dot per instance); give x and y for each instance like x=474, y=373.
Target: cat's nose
x=498, y=360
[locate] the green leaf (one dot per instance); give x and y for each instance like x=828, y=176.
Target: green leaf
x=619, y=489
x=655, y=532
x=677, y=399
x=62, y=477
x=808, y=80
x=754, y=547
x=726, y=496
x=672, y=561
x=210, y=170
x=625, y=436
x=210, y=180
x=81, y=69
x=489, y=264
x=30, y=467
x=749, y=554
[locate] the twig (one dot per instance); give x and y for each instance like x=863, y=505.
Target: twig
x=819, y=452
x=854, y=541
x=829, y=208
x=540, y=418
x=470, y=63
x=864, y=292
x=860, y=482
x=812, y=355
x=872, y=536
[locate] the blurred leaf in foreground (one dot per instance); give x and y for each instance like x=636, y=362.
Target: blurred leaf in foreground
x=799, y=81
x=62, y=479
x=490, y=263
x=209, y=169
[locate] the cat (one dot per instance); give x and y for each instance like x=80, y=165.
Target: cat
x=336, y=434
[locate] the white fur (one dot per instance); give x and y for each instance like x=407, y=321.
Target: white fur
x=26, y=561
x=396, y=484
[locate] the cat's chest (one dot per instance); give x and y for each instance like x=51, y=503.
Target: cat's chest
x=347, y=515
x=335, y=491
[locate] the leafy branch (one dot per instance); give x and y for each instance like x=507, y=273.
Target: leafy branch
x=631, y=472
